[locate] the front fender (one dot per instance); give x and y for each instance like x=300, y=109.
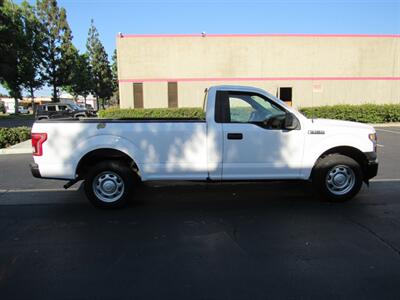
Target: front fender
x=315, y=146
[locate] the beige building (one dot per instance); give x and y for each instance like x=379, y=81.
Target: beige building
x=305, y=70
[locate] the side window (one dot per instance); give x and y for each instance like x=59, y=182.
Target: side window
x=240, y=110
x=51, y=108
x=252, y=108
x=62, y=107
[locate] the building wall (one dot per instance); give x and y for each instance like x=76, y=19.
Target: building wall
x=320, y=69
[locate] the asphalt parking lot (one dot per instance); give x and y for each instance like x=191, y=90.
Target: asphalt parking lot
x=24, y=121
x=198, y=241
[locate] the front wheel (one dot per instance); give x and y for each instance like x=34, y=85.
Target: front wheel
x=337, y=177
x=109, y=184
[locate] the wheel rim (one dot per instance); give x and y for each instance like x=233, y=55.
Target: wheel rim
x=108, y=186
x=340, y=180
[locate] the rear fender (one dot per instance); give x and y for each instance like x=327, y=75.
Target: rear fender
x=108, y=142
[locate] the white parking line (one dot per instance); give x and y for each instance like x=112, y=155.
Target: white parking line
x=385, y=179
x=36, y=190
x=391, y=131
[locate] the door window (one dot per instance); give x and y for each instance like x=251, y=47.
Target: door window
x=240, y=110
x=51, y=108
x=254, y=108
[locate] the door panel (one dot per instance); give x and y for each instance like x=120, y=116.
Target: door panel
x=261, y=153
x=254, y=144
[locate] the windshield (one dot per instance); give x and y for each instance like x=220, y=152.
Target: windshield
x=74, y=106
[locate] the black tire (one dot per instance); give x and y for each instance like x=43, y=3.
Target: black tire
x=111, y=174
x=337, y=178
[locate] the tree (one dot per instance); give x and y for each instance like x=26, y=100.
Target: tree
x=114, y=70
x=33, y=59
x=12, y=50
x=6, y=40
x=58, y=49
x=80, y=81
x=101, y=71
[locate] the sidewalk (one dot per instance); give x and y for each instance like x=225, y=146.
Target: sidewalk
x=21, y=148
x=386, y=125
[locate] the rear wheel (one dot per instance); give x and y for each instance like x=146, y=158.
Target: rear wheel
x=109, y=184
x=337, y=177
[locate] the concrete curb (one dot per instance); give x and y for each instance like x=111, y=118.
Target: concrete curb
x=386, y=125
x=21, y=148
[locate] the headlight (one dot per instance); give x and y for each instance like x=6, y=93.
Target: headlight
x=373, y=137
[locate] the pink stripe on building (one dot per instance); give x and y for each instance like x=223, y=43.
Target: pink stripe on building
x=256, y=79
x=260, y=35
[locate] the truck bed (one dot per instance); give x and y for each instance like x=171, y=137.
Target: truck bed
x=162, y=148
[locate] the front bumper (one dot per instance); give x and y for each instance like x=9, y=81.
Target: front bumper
x=371, y=166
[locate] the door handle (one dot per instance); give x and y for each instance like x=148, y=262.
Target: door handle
x=235, y=136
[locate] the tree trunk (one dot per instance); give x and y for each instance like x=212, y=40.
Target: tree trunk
x=16, y=111
x=84, y=97
x=32, y=100
x=55, y=96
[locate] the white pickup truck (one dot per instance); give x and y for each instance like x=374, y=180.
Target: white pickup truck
x=248, y=134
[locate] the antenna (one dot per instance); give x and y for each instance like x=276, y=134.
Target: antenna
x=312, y=103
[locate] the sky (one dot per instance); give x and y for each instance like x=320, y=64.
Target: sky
x=223, y=16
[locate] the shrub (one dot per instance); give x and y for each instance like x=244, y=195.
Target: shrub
x=152, y=113
x=365, y=113
x=12, y=136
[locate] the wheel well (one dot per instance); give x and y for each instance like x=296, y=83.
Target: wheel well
x=93, y=157
x=351, y=152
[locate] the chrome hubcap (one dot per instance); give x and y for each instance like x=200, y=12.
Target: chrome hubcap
x=340, y=180
x=108, y=186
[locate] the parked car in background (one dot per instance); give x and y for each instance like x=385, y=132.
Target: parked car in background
x=23, y=110
x=60, y=110
x=10, y=109
x=89, y=109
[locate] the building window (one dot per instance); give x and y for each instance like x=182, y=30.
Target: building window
x=285, y=94
x=138, y=95
x=172, y=94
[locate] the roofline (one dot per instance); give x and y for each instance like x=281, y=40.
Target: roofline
x=335, y=35
x=238, y=79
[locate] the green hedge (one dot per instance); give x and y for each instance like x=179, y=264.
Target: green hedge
x=149, y=113
x=12, y=136
x=365, y=113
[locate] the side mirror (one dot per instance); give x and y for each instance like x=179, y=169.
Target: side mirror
x=291, y=122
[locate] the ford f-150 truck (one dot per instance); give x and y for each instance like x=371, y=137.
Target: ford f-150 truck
x=247, y=134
